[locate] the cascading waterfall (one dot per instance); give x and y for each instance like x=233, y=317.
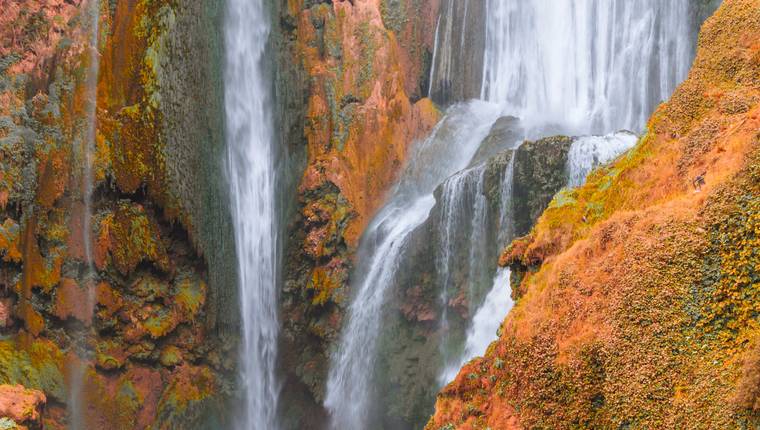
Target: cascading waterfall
x=585, y=154
x=448, y=150
x=461, y=195
x=485, y=324
x=251, y=160
x=570, y=66
x=442, y=51
x=464, y=229
x=86, y=148
x=590, y=151
x=590, y=66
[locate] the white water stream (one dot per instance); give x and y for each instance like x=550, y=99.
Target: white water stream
x=448, y=150
x=76, y=401
x=590, y=66
x=485, y=324
x=588, y=152
x=251, y=162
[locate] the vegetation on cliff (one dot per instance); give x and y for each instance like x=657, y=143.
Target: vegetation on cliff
x=154, y=234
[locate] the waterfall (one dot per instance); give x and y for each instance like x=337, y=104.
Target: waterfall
x=251, y=159
x=456, y=64
x=485, y=324
x=479, y=265
x=448, y=150
x=591, y=66
x=585, y=154
x=590, y=151
x=76, y=402
x=462, y=200
x=577, y=67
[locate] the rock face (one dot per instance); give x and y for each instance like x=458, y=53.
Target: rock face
x=134, y=278
x=360, y=71
x=539, y=174
x=639, y=301
x=21, y=407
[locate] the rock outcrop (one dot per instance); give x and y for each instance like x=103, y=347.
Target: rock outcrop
x=115, y=259
x=21, y=408
x=638, y=307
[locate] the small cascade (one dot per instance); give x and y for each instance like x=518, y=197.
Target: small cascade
x=448, y=150
x=462, y=215
x=585, y=154
x=86, y=148
x=590, y=66
x=251, y=161
x=588, y=152
x=480, y=266
x=485, y=324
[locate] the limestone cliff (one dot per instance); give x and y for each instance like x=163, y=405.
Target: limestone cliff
x=639, y=298
x=112, y=253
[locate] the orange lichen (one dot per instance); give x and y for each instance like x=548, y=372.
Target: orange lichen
x=341, y=122
x=9, y=241
x=71, y=300
x=131, y=237
x=53, y=174
x=322, y=285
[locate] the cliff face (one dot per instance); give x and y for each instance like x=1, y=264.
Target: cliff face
x=148, y=115
x=134, y=277
x=361, y=66
x=639, y=291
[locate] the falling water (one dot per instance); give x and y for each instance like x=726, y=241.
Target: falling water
x=76, y=404
x=592, y=66
x=462, y=199
x=485, y=323
x=448, y=150
x=585, y=154
x=479, y=265
x=590, y=151
x=573, y=66
x=251, y=162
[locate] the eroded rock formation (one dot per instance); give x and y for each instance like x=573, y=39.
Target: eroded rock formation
x=128, y=282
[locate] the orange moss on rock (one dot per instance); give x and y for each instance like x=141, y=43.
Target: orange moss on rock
x=22, y=405
x=360, y=121
x=130, y=237
x=46, y=97
x=639, y=304
x=71, y=301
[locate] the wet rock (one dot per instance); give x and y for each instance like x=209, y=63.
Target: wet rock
x=539, y=173
x=72, y=301
x=506, y=133
x=457, y=65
